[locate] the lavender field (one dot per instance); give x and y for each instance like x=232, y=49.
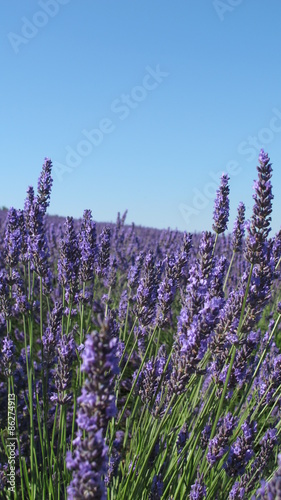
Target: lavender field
x=138, y=363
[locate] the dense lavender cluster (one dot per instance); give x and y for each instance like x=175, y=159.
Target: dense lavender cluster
x=142, y=363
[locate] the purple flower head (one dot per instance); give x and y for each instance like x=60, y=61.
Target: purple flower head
x=104, y=252
x=147, y=292
x=241, y=451
x=269, y=440
x=135, y=270
x=259, y=227
x=218, y=446
x=166, y=293
x=157, y=487
x=100, y=363
x=205, y=253
x=148, y=383
x=5, y=303
x=66, y=352
x=68, y=264
x=217, y=277
x=276, y=248
x=44, y=187
x=185, y=357
x=37, y=246
x=238, y=228
x=179, y=262
x=221, y=210
x=198, y=490
x=21, y=304
x=189, y=338
x=7, y=355
x=96, y=407
x=28, y=204
x=111, y=274
x=262, y=277
x=88, y=247
x=237, y=492
x=13, y=238
x=89, y=465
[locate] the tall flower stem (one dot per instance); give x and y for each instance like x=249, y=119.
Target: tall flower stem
x=139, y=370
x=215, y=242
x=228, y=271
x=45, y=449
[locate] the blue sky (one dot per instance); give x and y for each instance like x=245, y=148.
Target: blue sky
x=141, y=105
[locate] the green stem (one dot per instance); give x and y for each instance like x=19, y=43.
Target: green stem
x=139, y=370
x=215, y=243
x=228, y=271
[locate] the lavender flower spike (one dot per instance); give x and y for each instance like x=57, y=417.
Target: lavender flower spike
x=198, y=489
x=221, y=210
x=12, y=242
x=96, y=408
x=44, y=187
x=258, y=247
x=259, y=227
x=238, y=228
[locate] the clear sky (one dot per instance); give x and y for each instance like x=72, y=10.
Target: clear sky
x=141, y=105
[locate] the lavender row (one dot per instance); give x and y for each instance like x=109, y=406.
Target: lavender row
x=143, y=362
